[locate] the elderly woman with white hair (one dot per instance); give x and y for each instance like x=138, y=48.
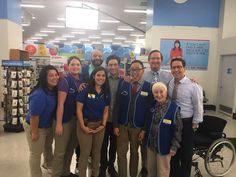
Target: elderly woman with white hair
x=163, y=132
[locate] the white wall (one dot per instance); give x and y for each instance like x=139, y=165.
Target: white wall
x=207, y=79
x=227, y=35
x=11, y=38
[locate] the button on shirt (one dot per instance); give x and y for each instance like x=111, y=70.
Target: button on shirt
x=189, y=99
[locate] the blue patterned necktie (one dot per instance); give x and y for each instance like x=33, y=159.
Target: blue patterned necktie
x=155, y=77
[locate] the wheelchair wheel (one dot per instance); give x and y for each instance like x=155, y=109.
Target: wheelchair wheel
x=220, y=157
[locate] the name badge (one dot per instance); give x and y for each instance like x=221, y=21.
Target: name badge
x=144, y=93
x=90, y=95
x=166, y=121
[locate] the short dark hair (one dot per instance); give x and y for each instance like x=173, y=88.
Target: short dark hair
x=111, y=57
x=42, y=80
x=73, y=57
x=178, y=59
x=153, y=51
x=105, y=86
x=137, y=61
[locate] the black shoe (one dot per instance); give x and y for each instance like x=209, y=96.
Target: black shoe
x=143, y=172
x=112, y=172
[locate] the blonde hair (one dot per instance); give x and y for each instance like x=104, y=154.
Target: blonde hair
x=159, y=84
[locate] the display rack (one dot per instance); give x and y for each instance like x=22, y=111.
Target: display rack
x=16, y=90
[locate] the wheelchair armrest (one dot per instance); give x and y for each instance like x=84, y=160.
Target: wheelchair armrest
x=217, y=135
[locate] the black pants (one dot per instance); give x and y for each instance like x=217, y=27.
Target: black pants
x=181, y=163
x=111, y=138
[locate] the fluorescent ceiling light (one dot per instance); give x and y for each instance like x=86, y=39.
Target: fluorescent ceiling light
x=135, y=11
x=94, y=37
x=75, y=42
x=137, y=35
x=36, y=38
x=78, y=32
x=81, y=18
x=39, y=34
x=31, y=40
x=96, y=42
x=60, y=39
x=109, y=21
x=125, y=29
x=56, y=26
x=25, y=24
x=143, y=23
x=32, y=5
x=54, y=41
x=47, y=31
x=33, y=17
x=129, y=42
x=106, y=40
x=108, y=34
x=68, y=36
x=120, y=38
x=117, y=43
x=84, y=40
x=61, y=19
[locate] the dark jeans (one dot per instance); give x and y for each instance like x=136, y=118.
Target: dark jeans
x=181, y=163
x=111, y=138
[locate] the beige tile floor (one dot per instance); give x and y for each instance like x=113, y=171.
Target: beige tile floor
x=14, y=153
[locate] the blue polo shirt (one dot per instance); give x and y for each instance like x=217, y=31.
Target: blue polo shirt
x=43, y=105
x=93, y=104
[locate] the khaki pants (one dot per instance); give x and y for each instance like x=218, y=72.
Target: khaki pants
x=90, y=143
x=64, y=149
x=158, y=165
x=128, y=135
x=37, y=147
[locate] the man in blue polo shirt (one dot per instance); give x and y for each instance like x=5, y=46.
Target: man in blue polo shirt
x=132, y=104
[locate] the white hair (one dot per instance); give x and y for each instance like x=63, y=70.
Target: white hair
x=159, y=84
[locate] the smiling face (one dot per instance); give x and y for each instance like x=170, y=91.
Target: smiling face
x=52, y=79
x=74, y=66
x=99, y=78
x=96, y=58
x=136, y=71
x=159, y=91
x=113, y=67
x=177, y=70
x=155, y=61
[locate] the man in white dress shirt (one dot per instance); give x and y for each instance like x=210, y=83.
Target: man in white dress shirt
x=189, y=96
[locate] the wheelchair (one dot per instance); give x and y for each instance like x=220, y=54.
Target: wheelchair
x=211, y=144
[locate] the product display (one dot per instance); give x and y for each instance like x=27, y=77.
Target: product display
x=16, y=90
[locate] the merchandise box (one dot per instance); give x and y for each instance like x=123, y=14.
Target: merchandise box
x=16, y=54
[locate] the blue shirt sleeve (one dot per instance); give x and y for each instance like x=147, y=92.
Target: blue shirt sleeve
x=37, y=103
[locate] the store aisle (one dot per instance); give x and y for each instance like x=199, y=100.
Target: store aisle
x=14, y=153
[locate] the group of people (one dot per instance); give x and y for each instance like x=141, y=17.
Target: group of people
x=98, y=113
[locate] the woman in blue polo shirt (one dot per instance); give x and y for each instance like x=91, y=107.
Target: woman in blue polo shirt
x=65, y=126
x=92, y=114
x=38, y=124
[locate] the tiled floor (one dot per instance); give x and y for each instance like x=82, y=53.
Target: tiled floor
x=14, y=153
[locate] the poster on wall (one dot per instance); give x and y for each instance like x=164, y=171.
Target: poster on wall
x=194, y=52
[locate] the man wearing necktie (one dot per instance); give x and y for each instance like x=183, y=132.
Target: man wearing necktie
x=189, y=97
x=132, y=105
x=156, y=74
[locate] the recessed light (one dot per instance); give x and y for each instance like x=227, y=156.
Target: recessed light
x=47, y=31
x=135, y=11
x=56, y=26
x=125, y=29
x=78, y=32
x=94, y=37
x=25, y=24
x=108, y=34
x=39, y=34
x=32, y=5
x=61, y=19
x=109, y=21
x=120, y=38
x=137, y=35
x=180, y=1
x=143, y=23
x=68, y=36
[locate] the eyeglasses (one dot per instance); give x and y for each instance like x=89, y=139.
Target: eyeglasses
x=136, y=70
x=176, y=67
